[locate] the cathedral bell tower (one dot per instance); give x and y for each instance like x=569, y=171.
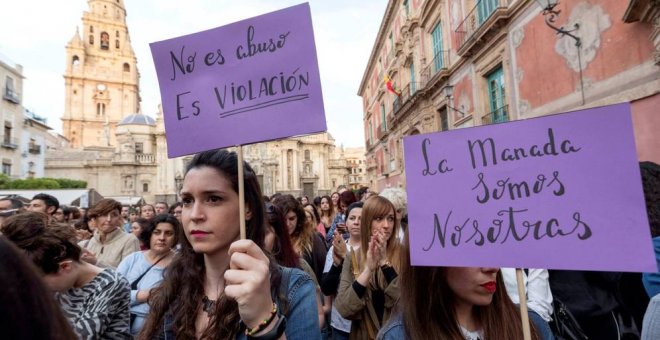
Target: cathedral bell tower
x=101, y=78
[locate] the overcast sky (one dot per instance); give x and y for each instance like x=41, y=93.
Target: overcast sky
x=35, y=33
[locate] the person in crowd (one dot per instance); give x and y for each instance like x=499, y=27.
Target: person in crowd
x=44, y=203
x=27, y=309
x=326, y=211
x=316, y=217
x=144, y=269
x=368, y=290
x=126, y=223
x=219, y=286
x=539, y=297
x=304, y=200
x=361, y=192
x=339, y=251
x=93, y=299
x=651, y=323
x=335, y=203
x=161, y=208
x=83, y=231
x=9, y=206
x=368, y=195
x=133, y=214
x=278, y=243
x=317, y=203
x=110, y=244
x=75, y=214
x=341, y=188
x=175, y=210
x=62, y=214
x=306, y=242
x=452, y=303
x=399, y=198
x=137, y=229
x=277, y=240
x=147, y=211
x=346, y=198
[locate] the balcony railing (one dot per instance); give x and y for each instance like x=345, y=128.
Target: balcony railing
x=10, y=143
x=382, y=131
x=145, y=158
x=477, y=17
x=500, y=115
x=11, y=96
x=440, y=62
x=34, y=149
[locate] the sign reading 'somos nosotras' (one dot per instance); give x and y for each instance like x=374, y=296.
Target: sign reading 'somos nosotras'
x=561, y=192
x=249, y=81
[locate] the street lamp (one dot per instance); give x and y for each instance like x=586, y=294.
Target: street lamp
x=449, y=94
x=550, y=15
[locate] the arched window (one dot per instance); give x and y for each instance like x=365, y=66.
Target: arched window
x=127, y=68
x=75, y=61
x=91, y=39
x=105, y=40
x=116, y=34
x=116, y=43
x=100, y=109
x=91, y=29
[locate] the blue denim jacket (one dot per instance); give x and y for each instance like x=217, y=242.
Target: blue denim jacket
x=302, y=320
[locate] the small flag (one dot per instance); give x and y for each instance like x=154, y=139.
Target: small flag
x=388, y=84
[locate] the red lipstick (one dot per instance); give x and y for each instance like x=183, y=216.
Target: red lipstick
x=198, y=233
x=490, y=286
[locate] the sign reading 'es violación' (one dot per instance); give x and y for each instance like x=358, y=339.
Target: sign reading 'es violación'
x=561, y=192
x=249, y=81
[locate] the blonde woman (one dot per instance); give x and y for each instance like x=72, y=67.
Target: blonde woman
x=368, y=289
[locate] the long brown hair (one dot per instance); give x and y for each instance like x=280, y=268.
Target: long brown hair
x=373, y=208
x=182, y=288
x=302, y=236
x=427, y=304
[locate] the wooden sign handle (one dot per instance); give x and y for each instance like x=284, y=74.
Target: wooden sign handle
x=241, y=192
x=527, y=334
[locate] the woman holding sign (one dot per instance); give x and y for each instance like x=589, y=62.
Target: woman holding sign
x=368, y=290
x=219, y=286
x=453, y=303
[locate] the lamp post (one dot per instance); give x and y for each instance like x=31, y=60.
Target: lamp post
x=550, y=15
x=449, y=94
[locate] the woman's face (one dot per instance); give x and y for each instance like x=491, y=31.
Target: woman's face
x=162, y=238
x=353, y=222
x=136, y=229
x=384, y=224
x=335, y=199
x=304, y=200
x=309, y=218
x=148, y=212
x=325, y=204
x=107, y=223
x=291, y=220
x=210, y=210
x=132, y=216
x=177, y=213
x=472, y=286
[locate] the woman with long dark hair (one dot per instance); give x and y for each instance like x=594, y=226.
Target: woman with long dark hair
x=453, y=303
x=219, y=286
x=368, y=289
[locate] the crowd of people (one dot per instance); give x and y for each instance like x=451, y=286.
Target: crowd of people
x=335, y=266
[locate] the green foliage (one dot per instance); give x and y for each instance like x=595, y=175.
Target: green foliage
x=41, y=183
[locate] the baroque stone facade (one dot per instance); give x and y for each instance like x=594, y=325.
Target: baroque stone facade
x=464, y=63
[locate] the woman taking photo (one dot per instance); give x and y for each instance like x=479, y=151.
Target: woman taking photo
x=93, y=299
x=369, y=289
x=110, y=243
x=339, y=251
x=454, y=303
x=221, y=287
x=144, y=269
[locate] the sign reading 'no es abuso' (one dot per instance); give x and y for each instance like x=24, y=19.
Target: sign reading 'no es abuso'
x=250, y=81
x=560, y=192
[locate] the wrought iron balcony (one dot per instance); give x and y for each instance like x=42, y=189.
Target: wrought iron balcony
x=485, y=17
x=439, y=63
x=501, y=115
x=11, y=96
x=34, y=149
x=10, y=143
x=382, y=131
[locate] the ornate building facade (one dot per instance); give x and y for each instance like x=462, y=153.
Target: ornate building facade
x=464, y=63
x=101, y=77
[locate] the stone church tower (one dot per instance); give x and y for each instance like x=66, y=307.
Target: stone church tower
x=101, y=77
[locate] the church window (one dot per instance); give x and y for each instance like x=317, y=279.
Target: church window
x=75, y=61
x=105, y=40
x=307, y=155
x=91, y=29
x=116, y=34
x=116, y=43
x=91, y=39
x=100, y=109
x=139, y=148
x=127, y=68
x=145, y=187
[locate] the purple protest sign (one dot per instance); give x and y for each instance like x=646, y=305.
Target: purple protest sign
x=559, y=192
x=249, y=81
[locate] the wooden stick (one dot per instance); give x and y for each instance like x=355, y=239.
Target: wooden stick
x=241, y=191
x=527, y=334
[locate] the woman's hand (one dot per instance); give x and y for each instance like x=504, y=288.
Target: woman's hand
x=339, y=248
x=248, y=282
x=88, y=256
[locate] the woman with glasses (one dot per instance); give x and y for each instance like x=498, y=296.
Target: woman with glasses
x=93, y=299
x=110, y=244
